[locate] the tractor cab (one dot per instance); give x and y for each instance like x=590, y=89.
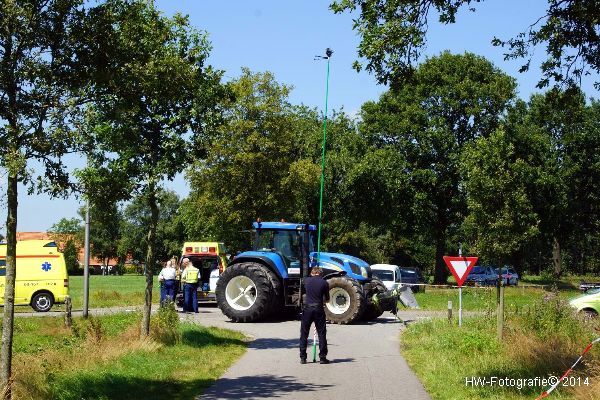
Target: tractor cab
x=292, y=242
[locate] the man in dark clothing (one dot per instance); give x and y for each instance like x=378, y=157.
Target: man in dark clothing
x=317, y=290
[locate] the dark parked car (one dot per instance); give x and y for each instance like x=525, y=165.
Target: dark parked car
x=412, y=275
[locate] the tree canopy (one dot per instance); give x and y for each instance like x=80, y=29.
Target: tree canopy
x=531, y=185
x=133, y=228
x=394, y=35
x=451, y=101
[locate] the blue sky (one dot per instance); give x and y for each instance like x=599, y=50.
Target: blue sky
x=283, y=36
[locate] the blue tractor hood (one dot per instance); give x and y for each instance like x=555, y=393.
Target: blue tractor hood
x=334, y=262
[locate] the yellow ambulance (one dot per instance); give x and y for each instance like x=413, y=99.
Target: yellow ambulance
x=42, y=278
x=210, y=258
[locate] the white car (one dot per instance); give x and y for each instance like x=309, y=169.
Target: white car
x=388, y=274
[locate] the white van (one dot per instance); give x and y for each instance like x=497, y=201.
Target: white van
x=388, y=274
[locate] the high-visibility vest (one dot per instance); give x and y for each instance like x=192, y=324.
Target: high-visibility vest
x=191, y=274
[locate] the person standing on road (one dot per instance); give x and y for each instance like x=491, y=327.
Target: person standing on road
x=177, y=276
x=317, y=291
x=190, y=277
x=166, y=277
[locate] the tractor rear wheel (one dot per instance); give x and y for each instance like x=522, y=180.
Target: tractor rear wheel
x=374, y=310
x=245, y=292
x=347, y=301
x=277, y=306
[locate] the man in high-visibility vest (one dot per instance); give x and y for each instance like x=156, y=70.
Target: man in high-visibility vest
x=190, y=277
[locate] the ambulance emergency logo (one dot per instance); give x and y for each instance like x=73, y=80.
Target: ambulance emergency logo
x=46, y=266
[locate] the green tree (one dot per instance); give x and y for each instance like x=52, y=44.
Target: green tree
x=501, y=173
x=451, y=101
x=394, y=34
x=68, y=233
x=159, y=98
x=559, y=114
x=71, y=253
x=41, y=77
x=375, y=216
x=105, y=221
x=247, y=163
x=531, y=183
x=583, y=181
x=135, y=222
x=265, y=162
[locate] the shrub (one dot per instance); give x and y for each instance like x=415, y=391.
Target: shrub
x=548, y=335
x=91, y=329
x=165, y=324
x=132, y=269
x=553, y=317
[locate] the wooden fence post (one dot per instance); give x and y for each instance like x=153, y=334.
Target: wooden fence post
x=68, y=309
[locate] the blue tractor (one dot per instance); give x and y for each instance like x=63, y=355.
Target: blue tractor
x=267, y=281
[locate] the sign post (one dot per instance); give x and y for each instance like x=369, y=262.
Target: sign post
x=460, y=268
x=460, y=291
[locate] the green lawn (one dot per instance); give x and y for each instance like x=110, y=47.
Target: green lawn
x=484, y=298
x=107, y=291
x=112, y=290
x=105, y=359
x=530, y=289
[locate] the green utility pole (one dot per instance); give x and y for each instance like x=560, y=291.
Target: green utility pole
x=327, y=57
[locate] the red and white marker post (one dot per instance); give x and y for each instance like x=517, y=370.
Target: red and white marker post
x=460, y=268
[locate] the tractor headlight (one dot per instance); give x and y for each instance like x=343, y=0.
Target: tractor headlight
x=364, y=272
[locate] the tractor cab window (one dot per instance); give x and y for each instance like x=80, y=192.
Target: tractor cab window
x=285, y=242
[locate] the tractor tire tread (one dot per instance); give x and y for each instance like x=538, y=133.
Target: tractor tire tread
x=357, y=304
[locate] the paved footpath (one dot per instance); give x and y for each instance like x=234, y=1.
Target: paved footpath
x=365, y=362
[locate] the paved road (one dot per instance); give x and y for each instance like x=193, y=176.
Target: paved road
x=366, y=362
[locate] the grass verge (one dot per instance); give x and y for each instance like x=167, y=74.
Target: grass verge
x=104, y=358
x=484, y=298
x=541, y=340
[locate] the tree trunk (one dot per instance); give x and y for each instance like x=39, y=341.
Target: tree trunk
x=9, y=289
x=556, y=258
x=150, y=259
x=441, y=272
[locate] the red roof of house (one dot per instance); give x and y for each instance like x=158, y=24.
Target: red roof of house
x=47, y=236
x=33, y=236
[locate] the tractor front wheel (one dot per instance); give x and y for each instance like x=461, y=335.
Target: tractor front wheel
x=244, y=292
x=346, y=301
x=373, y=309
